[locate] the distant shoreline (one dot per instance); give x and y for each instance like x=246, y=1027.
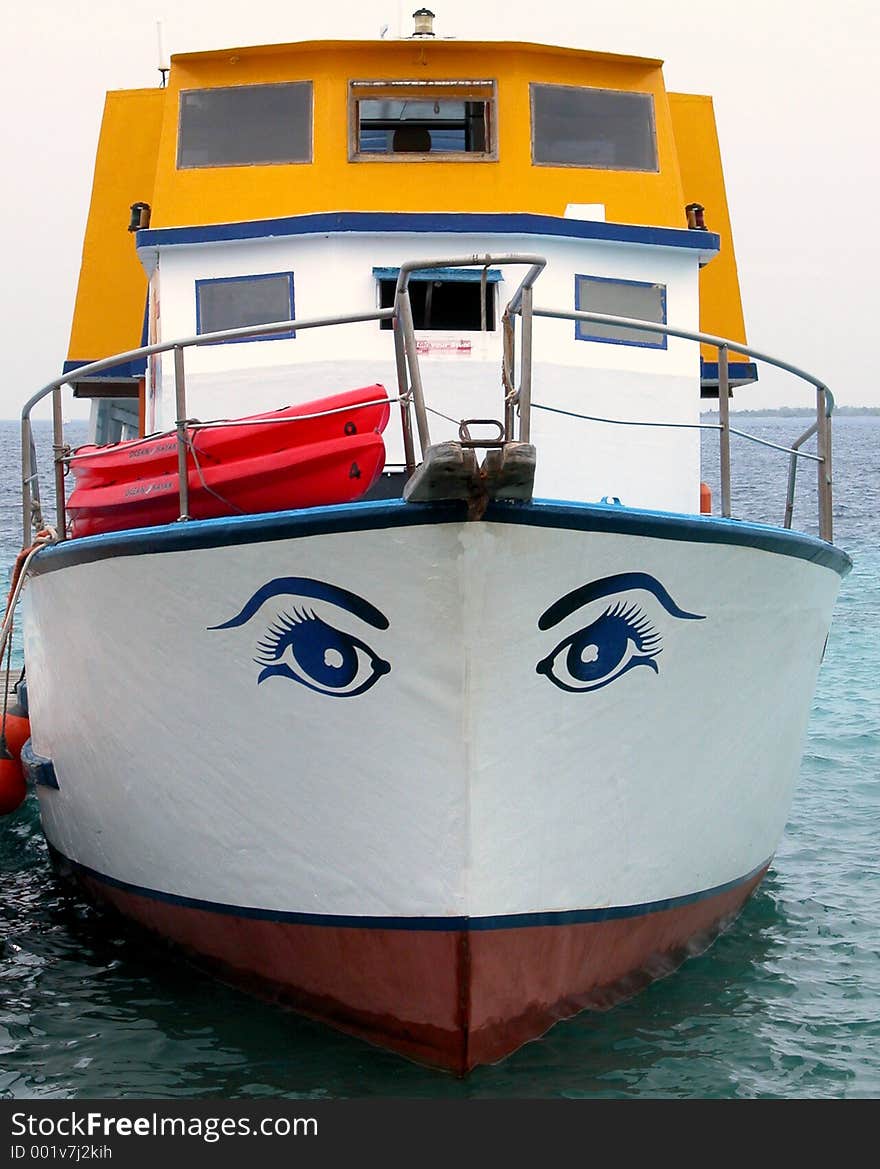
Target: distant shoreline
x=800, y=412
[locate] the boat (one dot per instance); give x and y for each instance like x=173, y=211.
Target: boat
x=518, y=729
x=333, y=454
x=338, y=416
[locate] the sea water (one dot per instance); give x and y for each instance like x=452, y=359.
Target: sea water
x=786, y=1003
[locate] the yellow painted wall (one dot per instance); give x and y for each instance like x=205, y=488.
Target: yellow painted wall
x=109, y=312
x=699, y=158
x=138, y=147
x=332, y=183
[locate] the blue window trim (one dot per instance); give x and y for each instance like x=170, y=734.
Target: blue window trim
x=580, y=327
x=240, y=279
x=444, y=275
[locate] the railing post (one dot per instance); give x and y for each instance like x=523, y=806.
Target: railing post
x=180, y=399
x=724, y=419
x=404, y=313
x=27, y=472
x=58, y=451
x=405, y=398
x=508, y=339
x=823, y=444
x=525, y=368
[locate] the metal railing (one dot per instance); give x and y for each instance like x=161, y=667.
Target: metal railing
x=821, y=428
x=29, y=477
x=517, y=398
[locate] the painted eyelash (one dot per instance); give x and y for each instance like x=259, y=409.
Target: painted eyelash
x=647, y=639
x=269, y=648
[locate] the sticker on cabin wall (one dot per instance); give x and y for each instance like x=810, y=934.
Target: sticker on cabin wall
x=619, y=638
x=429, y=348
x=295, y=642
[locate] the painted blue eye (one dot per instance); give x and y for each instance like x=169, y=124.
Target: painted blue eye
x=302, y=647
x=307, y=650
x=618, y=641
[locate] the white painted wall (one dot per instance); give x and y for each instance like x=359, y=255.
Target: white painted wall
x=645, y=467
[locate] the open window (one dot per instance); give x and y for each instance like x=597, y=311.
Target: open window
x=454, y=299
x=422, y=121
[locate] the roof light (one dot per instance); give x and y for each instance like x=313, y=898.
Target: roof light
x=424, y=26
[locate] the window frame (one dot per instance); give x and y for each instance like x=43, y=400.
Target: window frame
x=258, y=85
x=251, y=276
x=494, y=277
x=661, y=339
x=437, y=89
x=638, y=170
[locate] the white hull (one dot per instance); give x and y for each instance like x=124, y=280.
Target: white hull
x=462, y=782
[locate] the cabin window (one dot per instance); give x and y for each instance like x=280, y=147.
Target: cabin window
x=245, y=125
x=620, y=298
x=234, y=302
x=414, y=121
x=444, y=298
x=607, y=129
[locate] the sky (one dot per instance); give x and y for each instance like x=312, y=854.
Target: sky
x=796, y=103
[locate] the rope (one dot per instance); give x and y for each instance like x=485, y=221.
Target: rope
x=195, y=425
x=190, y=443
x=6, y=690
x=626, y=421
x=19, y=572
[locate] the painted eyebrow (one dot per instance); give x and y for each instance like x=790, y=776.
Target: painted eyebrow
x=606, y=586
x=304, y=586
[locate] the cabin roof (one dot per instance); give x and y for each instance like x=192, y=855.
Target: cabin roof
x=434, y=43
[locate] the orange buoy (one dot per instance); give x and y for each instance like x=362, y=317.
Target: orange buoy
x=13, y=788
x=17, y=728
x=705, y=499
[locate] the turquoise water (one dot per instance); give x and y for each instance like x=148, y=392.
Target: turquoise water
x=786, y=1003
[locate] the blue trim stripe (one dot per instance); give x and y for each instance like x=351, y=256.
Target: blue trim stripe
x=126, y=369
x=443, y=275
x=442, y=222
x=740, y=372
x=395, y=513
x=417, y=924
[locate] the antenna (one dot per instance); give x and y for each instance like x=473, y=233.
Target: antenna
x=164, y=63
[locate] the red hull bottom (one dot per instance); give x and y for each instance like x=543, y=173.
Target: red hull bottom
x=453, y=999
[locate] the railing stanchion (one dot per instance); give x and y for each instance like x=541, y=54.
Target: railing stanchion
x=823, y=445
x=404, y=313
x=724, y=434
x=180, y=399
x=525, y=367
x=403, y=394
x=508, y=338
x=27, y=472
x=58, y=451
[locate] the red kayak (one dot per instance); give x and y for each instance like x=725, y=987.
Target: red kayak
x=157, y=454
x=338, y=470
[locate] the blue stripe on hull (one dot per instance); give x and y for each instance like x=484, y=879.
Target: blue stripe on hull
x=433, y=924
x=352, y=517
